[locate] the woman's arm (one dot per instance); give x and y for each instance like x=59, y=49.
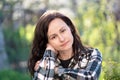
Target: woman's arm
x=91, y=72
x=46, y=67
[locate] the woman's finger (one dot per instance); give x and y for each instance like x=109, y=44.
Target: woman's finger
x=36, y=65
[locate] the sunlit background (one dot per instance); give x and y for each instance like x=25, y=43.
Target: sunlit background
x=98, y=22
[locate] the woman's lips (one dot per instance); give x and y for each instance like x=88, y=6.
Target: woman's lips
x=64, y=43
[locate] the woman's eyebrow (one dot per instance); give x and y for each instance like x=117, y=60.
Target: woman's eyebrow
x=63, y=27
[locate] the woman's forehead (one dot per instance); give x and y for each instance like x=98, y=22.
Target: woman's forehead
x=55, y=25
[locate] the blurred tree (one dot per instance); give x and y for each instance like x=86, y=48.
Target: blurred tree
x=15, y=19
x=3, y=56
x=116, y=11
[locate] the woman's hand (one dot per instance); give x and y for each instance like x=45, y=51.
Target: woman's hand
x=36, y=65
x=49, y=47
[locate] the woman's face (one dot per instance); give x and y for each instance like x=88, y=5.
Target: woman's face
x=59, y=35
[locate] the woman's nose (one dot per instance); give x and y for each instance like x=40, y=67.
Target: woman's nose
x=61, y=38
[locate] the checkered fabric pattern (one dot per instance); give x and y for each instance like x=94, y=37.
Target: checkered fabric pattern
x=87, y=68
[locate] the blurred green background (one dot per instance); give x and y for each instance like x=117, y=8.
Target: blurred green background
x=98, y=22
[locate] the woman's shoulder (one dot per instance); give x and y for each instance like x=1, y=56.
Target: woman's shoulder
x=96, y=54
x=95, y=51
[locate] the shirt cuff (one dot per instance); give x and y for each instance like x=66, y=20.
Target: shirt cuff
x=49, y=53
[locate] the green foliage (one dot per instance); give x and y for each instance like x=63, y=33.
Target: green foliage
x=111, y=70
x=13, y=75
x=17, y=46
x=97, y=28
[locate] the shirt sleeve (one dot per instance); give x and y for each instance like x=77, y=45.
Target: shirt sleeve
x=46, y=67
x=91, y=72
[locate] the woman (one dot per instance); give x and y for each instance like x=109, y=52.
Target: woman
x=58, y=53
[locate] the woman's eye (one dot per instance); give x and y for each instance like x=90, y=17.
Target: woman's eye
x=53, y=37
x=63, y=30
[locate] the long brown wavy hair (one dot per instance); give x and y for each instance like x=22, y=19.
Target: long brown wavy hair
x=40, y=37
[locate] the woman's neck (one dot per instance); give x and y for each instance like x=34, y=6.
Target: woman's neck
x=65, y=55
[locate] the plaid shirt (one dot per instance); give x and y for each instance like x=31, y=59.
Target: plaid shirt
x=87, y=68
